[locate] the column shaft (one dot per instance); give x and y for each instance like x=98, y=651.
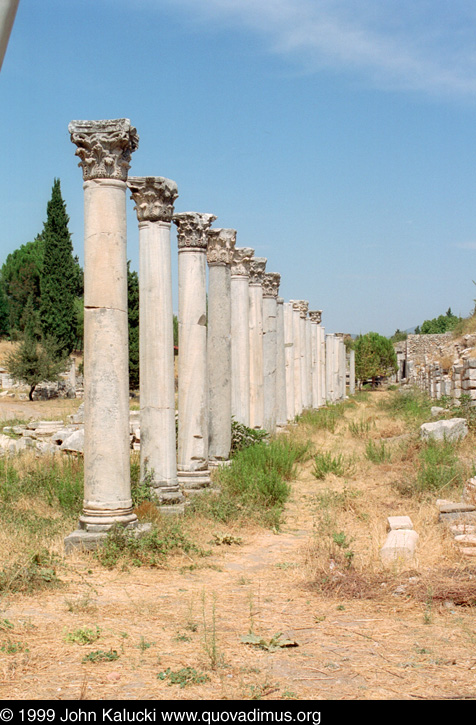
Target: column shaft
x=289, y=360
x=240, y=335
x=281, y=417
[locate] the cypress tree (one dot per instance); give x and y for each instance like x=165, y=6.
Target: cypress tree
x=133, y=318
x=59, y=275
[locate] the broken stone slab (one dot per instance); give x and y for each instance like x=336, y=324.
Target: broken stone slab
x=468, y=551
x=454, y=429
x=469, y=491
x=75, y=442
x=399, y=547
x=63, y=434
x=436, y=410
x=466, y=539
x=457, y=529
x=394, y=523
x=48, y=427
x=78, y=417
x=450, y=507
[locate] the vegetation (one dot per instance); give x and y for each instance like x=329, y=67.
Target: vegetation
x=133, y=317
x=35, y=361
x=61, y=277
x=439, y=325
x=374, y=357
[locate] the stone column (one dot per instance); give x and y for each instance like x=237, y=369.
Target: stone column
x=270, y=293
x=309, y=358
x=221, y=245
x=322, y=366
x=257, y=268
x=154, y=197
x=304, y=361
x=315, y=317
x=8, y=9
x=298, y=390
x=289, y=360
x=330, y=393
x=351, y=372
x=281, y=417
x=104, y=149
x=240, y=335
x=192, y=459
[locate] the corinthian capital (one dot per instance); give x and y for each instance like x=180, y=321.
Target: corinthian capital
x=315, y=316
x=240, y=264
x=104, y=147
x=271, y=282
x=154, y=197
x=221, y=245
x=301, y=306
x=257, y=269
x=192, y=229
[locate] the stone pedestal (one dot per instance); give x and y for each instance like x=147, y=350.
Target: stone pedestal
x=221, y=244
x=270, y=293
x=192, y=462
x=289, y=360
x=104, y=149
x=257, y=269
x=240, y=335
x=154, y=197
x=281, y=416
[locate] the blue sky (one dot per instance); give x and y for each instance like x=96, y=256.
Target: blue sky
x=337, y=136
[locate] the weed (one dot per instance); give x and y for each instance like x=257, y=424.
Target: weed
x=6, y=624
x=325, y=463
x=13, y=648
x=210, y=634
x=243, y=437
x=439, y=467
x=185, y=676
x=83, y=636
x=82, y=603
x=275, y=643
x=101, y=656
x=228, y=539
x=150, y=549
x=427, y=615
x=377, y=452
x=144, y=645
x=412, y=405
x=37, y=573
x=359, y=429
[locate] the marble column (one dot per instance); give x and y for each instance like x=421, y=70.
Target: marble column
x=351, y=372
x=257, y=270
x=154, y=197
x=314, y=318
x=289, y=360
x=221, y=245
x=309, y=359
x=304, y=361
x=8, y=9
x=330, y=368
x=343, y=368
x=240, y=335
x=322, y=365
x=192, y=462
x=104, y=149
x=298, y=377
x=281, y=416
x=271, y=282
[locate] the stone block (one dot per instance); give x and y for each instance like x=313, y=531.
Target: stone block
x=394, y=523
x=450, y=507
x=399, y=547
x=469, y=491
x=454, y=429
x=466, y=539
x=89, y=541
x=75, y=442
x=436, y=411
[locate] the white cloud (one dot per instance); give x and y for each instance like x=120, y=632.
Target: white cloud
x=427, y=45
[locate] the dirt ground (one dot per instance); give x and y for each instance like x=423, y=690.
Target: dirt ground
x=372, y=635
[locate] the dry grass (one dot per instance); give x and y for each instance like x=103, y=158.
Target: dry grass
x=363, y=632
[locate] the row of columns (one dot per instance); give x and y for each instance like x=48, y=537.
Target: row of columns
x=250, y=356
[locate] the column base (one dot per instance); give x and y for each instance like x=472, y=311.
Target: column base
x=193, y=480
x=219, y=463
x=164, y=495
x=83, y=540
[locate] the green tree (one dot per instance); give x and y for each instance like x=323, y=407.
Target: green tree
x=20, y=278
x=133, y=318
x=441, y=324
x=59, y=275
x=37, y=358
x=398, y=336
x=374, y=357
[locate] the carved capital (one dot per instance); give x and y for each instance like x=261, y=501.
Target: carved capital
x=154, y=197
x=301, y=306
x=257, y=269
x=192, y=229
x=280, y=300
x=316, y=316
x=240, y=264
x=104, y=147
x=271, y=282
x=221, y=245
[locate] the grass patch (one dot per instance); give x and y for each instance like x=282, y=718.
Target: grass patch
x=412, y=405
x=377, y=452
x=440, y=467
x=150, y=549
x=360, y=428
x=325, y=463
x=39, y=572
x=255, y=487
x=324, y=418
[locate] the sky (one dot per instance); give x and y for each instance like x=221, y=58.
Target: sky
x=338, y=137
